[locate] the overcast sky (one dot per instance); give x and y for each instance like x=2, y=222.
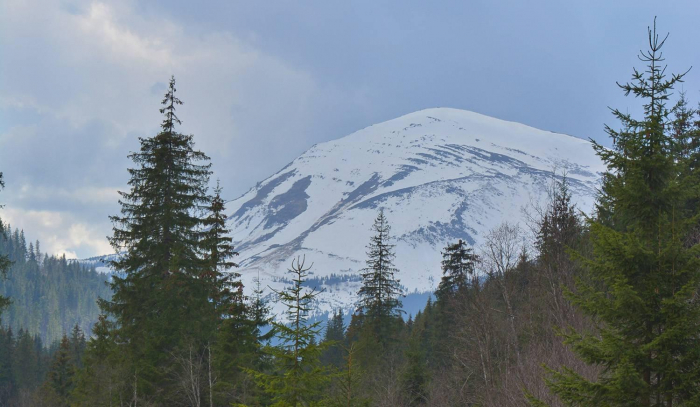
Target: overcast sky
x=262, y=81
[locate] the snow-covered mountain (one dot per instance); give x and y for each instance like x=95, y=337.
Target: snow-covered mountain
x=440, y=175
x=100, y=263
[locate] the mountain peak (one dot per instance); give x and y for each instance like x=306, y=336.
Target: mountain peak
x=441, y=174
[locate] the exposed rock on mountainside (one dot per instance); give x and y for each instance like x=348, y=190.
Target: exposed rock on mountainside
x=440, y=174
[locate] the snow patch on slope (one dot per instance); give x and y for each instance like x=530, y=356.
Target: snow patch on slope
x=440, y=175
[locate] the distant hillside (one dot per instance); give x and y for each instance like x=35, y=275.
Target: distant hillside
x=49, y=294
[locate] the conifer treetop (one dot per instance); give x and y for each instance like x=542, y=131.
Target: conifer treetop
x=169, y=102
x=299, y=376
x=381, y=290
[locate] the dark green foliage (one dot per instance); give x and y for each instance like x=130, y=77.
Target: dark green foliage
x=97, y=383
x=685, y=132
x=415, y=376
x=334, y=339
x=380, y=292
x=236, y=343
x=181, y=332
x=560, y=225
x=50, y=295
x=642, y=279
x=560, y=231
x=261, y=315
x=458, y=268
x=7, y=351
x=5, y=261
x=178, y=328
x=218, y=252
x=347, y=383
x=24, y=363
x=458, y=265
x=100, y=345
x=77, y=346
x=297, y=377
x=60, y=379
x=163, y=300
x=236, y=349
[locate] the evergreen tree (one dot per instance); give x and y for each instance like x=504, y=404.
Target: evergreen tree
x=458, y=266
x=25, y=361
x=161, y=301
x=37, y=251
x=61, y=374
x=560, y=225
x=263, y=332
x=7, y=350
x=235, y=350
x=352, y=334
x=348, y=382
x=684, y=128
x=77, y=346
x=415, y=375
x=641, y=283
x=240, y=349
x=260, y=314
x=51, y=296
x=333, y=339
x=5, y=262
x=96, y=382
x=297, y=377
x=380, y=292
x=559, y=232
x=218, y=252
x=235, y=343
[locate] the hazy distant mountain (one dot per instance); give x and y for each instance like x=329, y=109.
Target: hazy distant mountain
x=440, y=174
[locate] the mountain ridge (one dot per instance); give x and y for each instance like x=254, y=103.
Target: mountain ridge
x=439, y=173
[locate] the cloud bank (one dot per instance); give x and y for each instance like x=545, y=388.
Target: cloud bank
x=82, y=80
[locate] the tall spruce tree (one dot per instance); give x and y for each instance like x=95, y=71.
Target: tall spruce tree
x=380, y=293
x=218, y=253
x=297, y=377
x=161, y=299
x=60, y=379
x=458, y=268
x=458, y=265
x=641, y=282
x=77, y=346
x=234, y=340
x=559, y=226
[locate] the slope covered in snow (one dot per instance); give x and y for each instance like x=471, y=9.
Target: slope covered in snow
x=440, y=175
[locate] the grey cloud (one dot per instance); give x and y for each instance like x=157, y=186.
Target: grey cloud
x=263, y=81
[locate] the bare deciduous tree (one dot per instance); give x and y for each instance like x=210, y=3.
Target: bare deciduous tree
x=502, y=249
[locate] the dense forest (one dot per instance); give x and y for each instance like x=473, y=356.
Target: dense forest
x=50, y=295
x=570, y=309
